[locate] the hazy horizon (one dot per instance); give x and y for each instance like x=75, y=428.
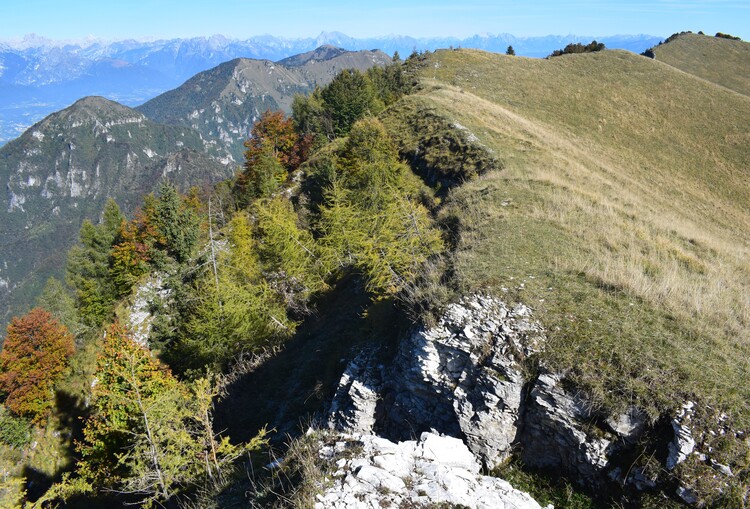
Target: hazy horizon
x=243, y=19
x=30, y=37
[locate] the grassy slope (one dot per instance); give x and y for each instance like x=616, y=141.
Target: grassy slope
x=722, y=61
x=621, y=215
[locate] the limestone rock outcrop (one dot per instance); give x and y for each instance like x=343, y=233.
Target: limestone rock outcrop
x=462, y=377
x=465, y=377
x=557, y=433
x=416, y=473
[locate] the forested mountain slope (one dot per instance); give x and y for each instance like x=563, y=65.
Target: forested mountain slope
x=64, y=168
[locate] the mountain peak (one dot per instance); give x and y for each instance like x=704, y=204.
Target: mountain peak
x=96, y=109
x=321, y=53
x=96, y=102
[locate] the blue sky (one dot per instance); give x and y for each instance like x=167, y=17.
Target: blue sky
x=119, y=19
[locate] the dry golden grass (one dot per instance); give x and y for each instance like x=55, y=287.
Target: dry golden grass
x=622, y=215
x=722, y=61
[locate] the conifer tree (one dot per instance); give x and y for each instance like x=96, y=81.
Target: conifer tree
x=241, y=263
x=233, y=311
x=176, y=223
x=229, y=320
x=370, y=164
x=137, y=441
x=342, y=228
x=88, y=267
x=402, y=238
x=263, y=175
x=57, y=299
x=347, y=99
x=369, y=219
x=286, y=251
x=311, y=119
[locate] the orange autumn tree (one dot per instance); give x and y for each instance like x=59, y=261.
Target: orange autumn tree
x=134, y=247
x=35, y=354
x=274, y=148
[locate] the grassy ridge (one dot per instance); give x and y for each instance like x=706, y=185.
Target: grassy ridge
x=621, y=216
x=725, y=62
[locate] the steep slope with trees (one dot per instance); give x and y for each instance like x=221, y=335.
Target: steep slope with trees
x=603, y=194
x=238, y=267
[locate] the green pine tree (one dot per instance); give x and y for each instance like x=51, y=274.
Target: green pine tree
x=88, y=267
x=177, y=224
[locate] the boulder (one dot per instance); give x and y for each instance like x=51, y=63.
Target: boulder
x=431, y=471
x=558, y=433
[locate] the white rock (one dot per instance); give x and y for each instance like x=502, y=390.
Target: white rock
x=683, y=444
x=407, y=473
x=628, y=425
x=448, y=451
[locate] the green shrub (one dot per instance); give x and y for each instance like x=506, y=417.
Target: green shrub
x=14, y=431
x=727, y=36
x=577, y=47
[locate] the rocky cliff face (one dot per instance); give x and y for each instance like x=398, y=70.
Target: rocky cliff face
x=466, y=377
x=463, y=377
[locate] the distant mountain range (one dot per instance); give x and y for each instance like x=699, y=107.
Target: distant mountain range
x=39, y=76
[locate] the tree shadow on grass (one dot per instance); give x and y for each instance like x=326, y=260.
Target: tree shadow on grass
x=67, y=421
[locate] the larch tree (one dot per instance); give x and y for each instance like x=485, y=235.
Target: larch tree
x=34, y=356
x=232, y=310
x=226, y=321
x=342, y=228
x=401, y=239
x=288, y=253
x=137, y=440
